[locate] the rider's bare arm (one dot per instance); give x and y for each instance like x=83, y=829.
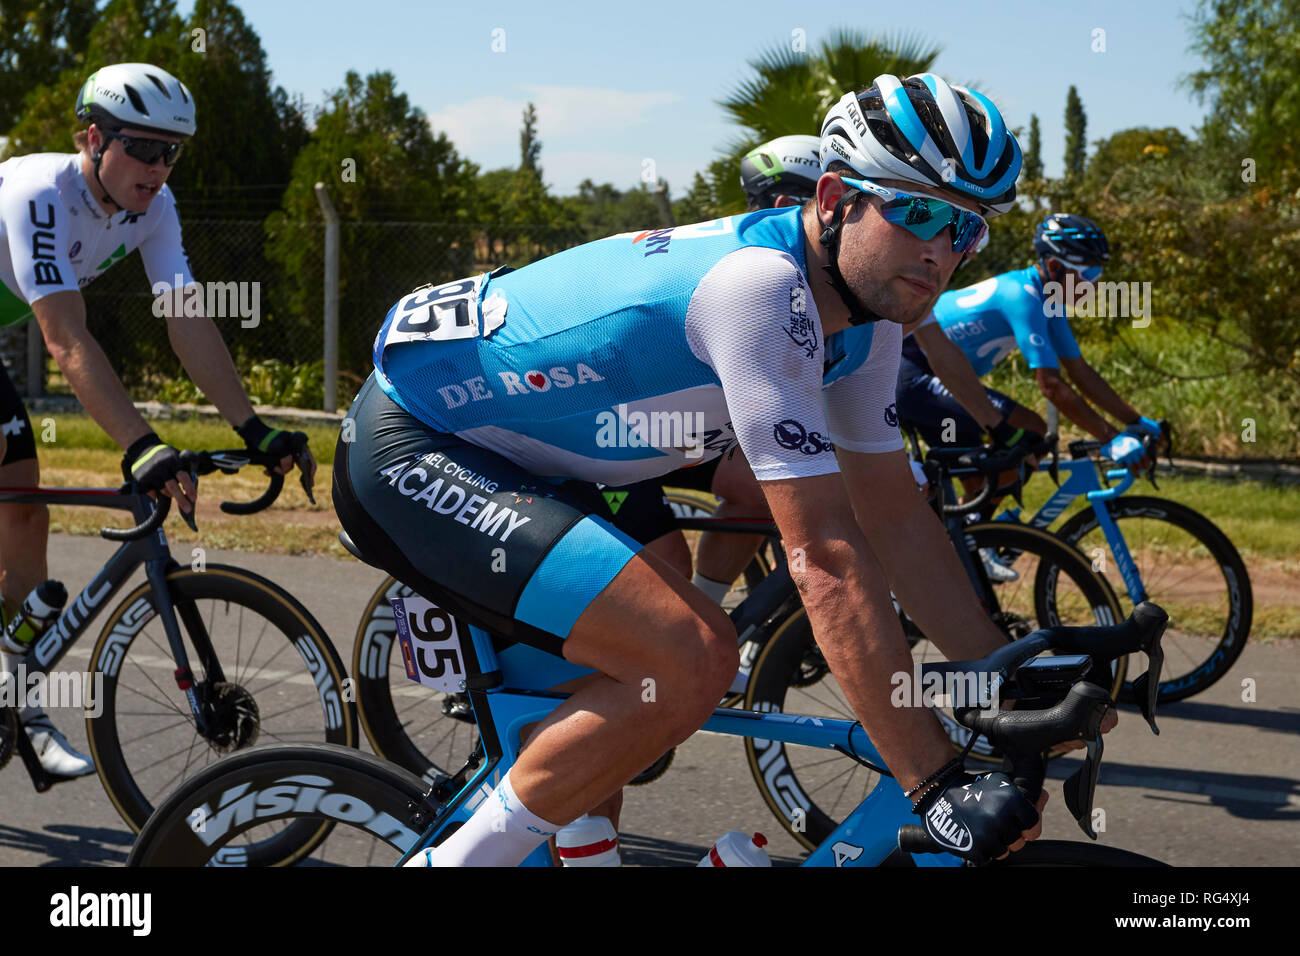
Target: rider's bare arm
x=916, y=555
x=953, y=368
x=62, y=316
x=203, y=352
x=844, y=592
x=1098, y=390
x=1072, y=405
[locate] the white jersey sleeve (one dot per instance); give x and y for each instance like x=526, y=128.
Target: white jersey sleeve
x=165, y=262
x=753, y=321
x=36, y=229
x=860, y=406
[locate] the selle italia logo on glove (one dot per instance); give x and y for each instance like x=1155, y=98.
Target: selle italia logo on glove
x=944, y=829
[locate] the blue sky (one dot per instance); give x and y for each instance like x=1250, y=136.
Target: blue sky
x=618, y=84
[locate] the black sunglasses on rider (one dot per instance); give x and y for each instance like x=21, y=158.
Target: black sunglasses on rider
x=147, y=151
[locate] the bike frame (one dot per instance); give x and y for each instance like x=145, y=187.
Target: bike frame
x=507, y=691
x=150, y=551
x=1082, y=480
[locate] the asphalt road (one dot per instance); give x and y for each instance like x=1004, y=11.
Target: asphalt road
x=1220, y=786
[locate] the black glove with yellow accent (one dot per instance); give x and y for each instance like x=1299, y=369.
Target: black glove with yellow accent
x=260, y=437
x=151, y=464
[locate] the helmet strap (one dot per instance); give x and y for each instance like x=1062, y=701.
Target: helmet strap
x=97, y=157
x=859, y=314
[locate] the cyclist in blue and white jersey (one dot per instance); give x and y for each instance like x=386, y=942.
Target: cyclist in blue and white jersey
x=64, y=220
x=499, y=400
x=989, y=321
x=779, y=173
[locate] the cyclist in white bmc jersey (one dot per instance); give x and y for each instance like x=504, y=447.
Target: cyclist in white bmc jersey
x=498, y=400
x=64, y=220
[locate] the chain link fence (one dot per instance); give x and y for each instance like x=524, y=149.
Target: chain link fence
x=263, y=283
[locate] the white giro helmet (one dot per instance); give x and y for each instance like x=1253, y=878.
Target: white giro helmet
x=921, y=130
x=139, y=96
x=787, y=164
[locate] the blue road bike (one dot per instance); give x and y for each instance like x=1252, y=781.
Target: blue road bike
x=1164, y=552
x=388, y=813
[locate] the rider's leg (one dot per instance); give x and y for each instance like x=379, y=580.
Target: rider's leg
x=721, y=557
x=653, y=691
x=533, y=561
x=658, y=688
x=24, y=535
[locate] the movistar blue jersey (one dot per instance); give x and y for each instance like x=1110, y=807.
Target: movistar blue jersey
x=991, y=319
x=632, y=356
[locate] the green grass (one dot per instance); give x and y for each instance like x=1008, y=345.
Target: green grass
x=1261, y=520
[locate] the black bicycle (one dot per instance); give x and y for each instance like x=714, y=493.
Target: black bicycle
x=195, y=663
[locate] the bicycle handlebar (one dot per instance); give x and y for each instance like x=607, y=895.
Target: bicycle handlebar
x=990, y=463
x=227, y=461
x=1024, y=735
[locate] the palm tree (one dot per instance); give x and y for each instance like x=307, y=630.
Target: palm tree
x=790, y=92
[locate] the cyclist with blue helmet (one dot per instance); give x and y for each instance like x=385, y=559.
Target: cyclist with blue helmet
x=974, y=328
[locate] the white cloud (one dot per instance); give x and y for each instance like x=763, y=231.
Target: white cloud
x=569, y=121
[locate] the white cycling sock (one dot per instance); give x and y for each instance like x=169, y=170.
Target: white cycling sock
x=716, y=590
x=502, y=832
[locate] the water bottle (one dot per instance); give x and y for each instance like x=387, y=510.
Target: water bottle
x=42, y=607
x=734, y=848
x=588, y=841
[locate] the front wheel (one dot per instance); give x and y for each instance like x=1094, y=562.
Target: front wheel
x=262, y=671
x=810, y=791
x=376, y=808
x=1070, y=853
x=1190, y=568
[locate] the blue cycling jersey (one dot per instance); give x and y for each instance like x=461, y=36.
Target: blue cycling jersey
x=990, y=319
x=636, y=355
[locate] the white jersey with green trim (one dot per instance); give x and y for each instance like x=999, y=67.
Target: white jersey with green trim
x=54, y=237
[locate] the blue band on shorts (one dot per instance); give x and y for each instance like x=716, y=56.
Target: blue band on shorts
x=574, y=571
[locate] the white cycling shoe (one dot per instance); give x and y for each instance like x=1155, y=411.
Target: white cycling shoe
x=52, y=748
x=998, y=572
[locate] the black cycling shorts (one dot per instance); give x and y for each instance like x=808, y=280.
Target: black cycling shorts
x=470, y=530
x=20, y=443
x=927, y=404
x=640, y=509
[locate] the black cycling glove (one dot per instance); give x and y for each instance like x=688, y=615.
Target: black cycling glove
x=151, y=464
x=976, y=818
x=258, y=436
x=1008, y=436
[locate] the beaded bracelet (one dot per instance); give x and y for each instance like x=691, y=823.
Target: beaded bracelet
x=954, y=764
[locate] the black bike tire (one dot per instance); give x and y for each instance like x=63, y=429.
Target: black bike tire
x=1073, y=853
x=236, y=586
x=170, y=839
x=1236, y=629
x=785, y=648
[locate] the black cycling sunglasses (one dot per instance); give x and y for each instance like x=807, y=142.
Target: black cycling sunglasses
x=147, y=151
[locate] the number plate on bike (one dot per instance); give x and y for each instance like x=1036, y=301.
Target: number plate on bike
x=430, y=640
